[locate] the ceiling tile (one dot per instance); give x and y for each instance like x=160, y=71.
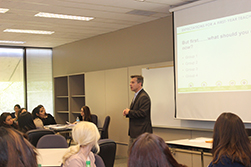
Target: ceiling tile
x=110, y=15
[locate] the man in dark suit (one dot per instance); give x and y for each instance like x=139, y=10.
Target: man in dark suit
x=139, y=113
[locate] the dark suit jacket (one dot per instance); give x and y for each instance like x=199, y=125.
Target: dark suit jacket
x=140, y=115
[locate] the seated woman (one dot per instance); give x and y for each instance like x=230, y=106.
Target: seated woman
x=7, y=121
x=14, y=115
x=25, y=122
x=39, y=112
x=151, y=150
x=85, y=114
x=36, y=119
x=86, y=135
x=231, y=146
x=15, y=150
x=20, y=112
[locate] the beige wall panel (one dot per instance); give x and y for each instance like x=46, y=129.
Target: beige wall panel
x=172, y=134
x=197, y=160
x=184, y=158
x=208, y=134
x=121, y=151
x=146, y=43
x=116, y=100
x=95, y=94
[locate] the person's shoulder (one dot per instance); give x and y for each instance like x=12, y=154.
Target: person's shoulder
x=38, y=123
x=91, y=155
x=49, y=115
x=229, y=162
x=143, y=93
x=225, y=161
x=13, y=115
x=75, y=160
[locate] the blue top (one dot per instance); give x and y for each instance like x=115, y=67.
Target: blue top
x=226, y=162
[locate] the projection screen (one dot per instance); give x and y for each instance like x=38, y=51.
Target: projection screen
x=212, y=58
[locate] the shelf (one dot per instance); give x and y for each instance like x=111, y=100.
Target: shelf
x=75, y=112
x=76, y=84
x=61, y=86
x=63, y=112
x=61, y=104
x=69, y=96
x=77, y=103
x=62, y=97
x=77, y=95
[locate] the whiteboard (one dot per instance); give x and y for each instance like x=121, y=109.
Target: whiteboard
x=159, y=84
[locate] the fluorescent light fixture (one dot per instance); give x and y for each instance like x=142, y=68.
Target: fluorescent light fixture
x=61, y=16
x=3, y=10
x=15, y=42
x=29, y=31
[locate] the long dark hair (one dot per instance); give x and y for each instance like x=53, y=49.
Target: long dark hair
x=25, y=122
x=151, y=150
x=3, y=120
x=19, y=112
x=230, y=140
x=35, y=111
x=15, y=150
x=87, y=112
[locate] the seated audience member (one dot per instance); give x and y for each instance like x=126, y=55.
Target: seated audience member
x=231, y=146
x=20, y=112
x=7, y=121
x=86, y=135
x=25, y=122
x=36, y=119
x=15, y=150
x=85, y=114
x=15, y=114
x=39, y=112
x=151, y=150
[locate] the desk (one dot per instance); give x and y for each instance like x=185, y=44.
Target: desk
x=50, y=157
x=60, y=127
x=197, y=144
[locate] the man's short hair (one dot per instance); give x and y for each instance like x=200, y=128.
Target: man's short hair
x=140, y=78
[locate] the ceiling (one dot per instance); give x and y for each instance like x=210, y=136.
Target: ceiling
x=109, y=16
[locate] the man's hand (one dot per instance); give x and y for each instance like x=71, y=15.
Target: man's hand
x=126, y=111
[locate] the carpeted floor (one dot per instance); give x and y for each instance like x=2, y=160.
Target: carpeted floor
x=120, y=162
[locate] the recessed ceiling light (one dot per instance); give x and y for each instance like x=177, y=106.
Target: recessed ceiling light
x=61, y=16
x=15, y=42
x=3, y=10
x=29, y=31
x=140, y=0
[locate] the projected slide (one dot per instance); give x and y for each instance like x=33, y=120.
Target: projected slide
x=215, y=55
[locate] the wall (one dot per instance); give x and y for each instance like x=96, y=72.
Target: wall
x=108, y=61
x=108, y=93
x=142, y=44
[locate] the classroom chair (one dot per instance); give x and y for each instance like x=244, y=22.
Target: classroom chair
x=35, y=134
x=52, y=141
x=104, y=130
